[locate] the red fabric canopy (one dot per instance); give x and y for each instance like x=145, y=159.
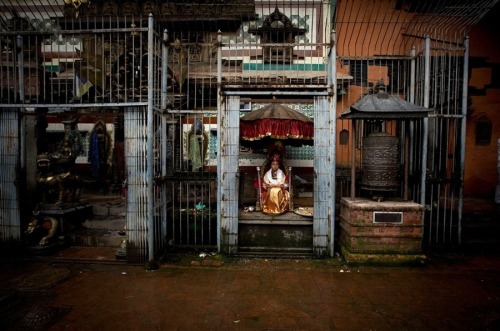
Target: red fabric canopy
x=277, y=122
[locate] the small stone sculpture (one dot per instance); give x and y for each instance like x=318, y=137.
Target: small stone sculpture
x=41, y=231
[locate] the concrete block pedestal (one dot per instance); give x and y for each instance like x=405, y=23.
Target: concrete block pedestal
x=388, y=232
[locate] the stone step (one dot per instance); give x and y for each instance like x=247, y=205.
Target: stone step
x=116, y=224
x=275, y=252
x=97, y=238
x=109, y=232
x=481, y=219
x=481, y=231
x=108, y=210
x=105, y=227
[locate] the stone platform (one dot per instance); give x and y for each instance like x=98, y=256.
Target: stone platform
x=287, y=233
x=388, y=232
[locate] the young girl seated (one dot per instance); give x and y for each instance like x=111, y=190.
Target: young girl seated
x=275, y=196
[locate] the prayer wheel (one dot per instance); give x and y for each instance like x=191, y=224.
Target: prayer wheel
x=380, y=162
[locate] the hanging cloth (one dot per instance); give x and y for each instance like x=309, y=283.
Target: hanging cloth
x=94, y=154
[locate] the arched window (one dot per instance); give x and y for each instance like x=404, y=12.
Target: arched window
x=344, y=137
x=483, y=130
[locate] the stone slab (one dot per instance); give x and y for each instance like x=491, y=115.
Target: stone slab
x=361, y=211
x=382, y=259
x=275, y=236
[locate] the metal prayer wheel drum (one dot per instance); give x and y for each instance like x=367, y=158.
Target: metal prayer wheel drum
x=380, y=162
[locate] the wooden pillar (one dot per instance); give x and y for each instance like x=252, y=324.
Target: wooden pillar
x=324, y=188
x=229, y=183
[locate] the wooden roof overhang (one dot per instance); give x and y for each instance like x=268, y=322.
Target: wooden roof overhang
x=384, y=106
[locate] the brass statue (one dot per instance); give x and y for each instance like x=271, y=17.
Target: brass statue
x=56, y=180
x=57, y=187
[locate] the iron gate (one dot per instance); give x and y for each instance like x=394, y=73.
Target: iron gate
x=446, y=94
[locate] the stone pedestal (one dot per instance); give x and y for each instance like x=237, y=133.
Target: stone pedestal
x=76, y=212
x=388, y=232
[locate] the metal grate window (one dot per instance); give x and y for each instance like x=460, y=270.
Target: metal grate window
x=358, y=69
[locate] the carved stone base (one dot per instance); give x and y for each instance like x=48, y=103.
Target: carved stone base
x=48, y=249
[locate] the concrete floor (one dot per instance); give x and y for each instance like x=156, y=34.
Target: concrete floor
x=193, y=292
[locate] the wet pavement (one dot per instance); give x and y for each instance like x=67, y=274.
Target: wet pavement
x=193, y=292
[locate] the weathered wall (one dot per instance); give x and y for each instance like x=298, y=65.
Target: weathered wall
x=484, y=101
